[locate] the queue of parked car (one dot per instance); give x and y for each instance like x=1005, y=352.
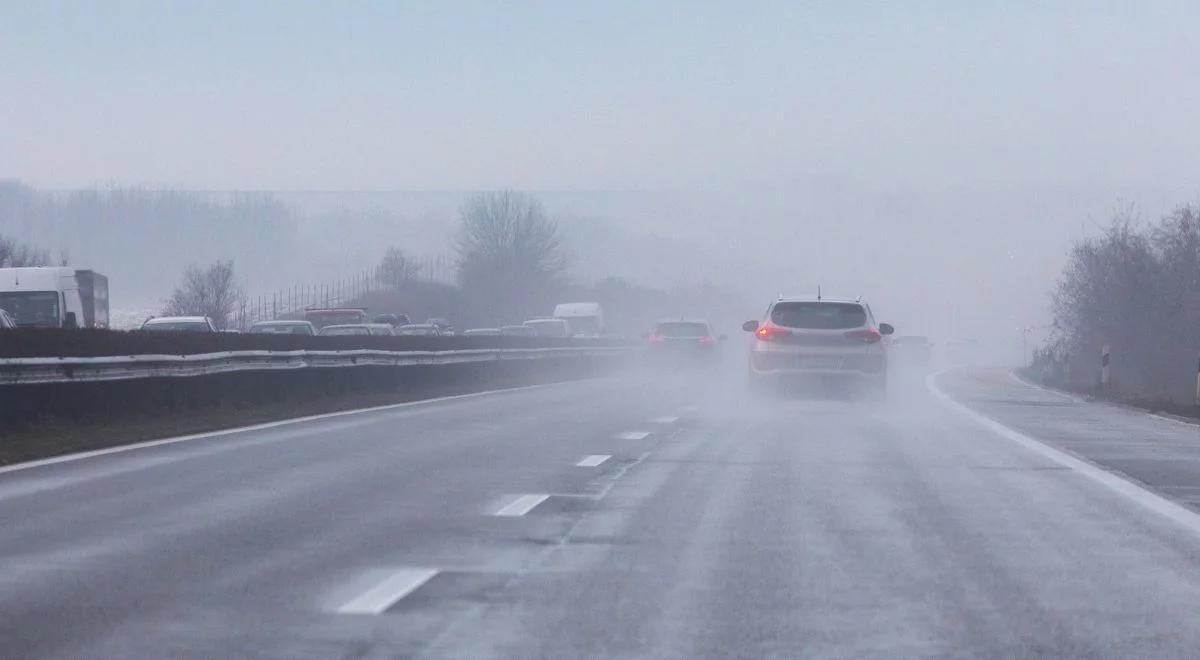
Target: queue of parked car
x=584, y=319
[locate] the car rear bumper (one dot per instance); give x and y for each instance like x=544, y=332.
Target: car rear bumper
x=787, y=363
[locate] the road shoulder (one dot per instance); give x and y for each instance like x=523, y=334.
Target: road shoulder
x=1152, y=452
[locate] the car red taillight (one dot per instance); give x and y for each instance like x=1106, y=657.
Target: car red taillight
x=706, y=340
x=768, y=332
x=867, y=336
x=657, y=338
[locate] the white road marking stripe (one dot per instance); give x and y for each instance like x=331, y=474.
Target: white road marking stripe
x=633, y=435
x=387, y=593
x=70, y=458
x=1127, y=489
x=1078, y=399
x=522, y=505
x=593, y=460
x=664, y=420
x=1017, y=378
x=688, y=409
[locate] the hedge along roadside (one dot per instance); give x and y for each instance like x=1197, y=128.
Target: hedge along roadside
x=83, y=389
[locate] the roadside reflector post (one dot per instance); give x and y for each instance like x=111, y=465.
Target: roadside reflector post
x=1105, y=360
x=1198, y=382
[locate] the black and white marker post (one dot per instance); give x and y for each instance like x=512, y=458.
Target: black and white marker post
x=1105, y=359
x=1198, y=382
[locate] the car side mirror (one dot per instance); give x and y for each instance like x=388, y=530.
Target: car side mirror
x=750, y=326
x=722, y=337
x=69, y=321
x=886, y=329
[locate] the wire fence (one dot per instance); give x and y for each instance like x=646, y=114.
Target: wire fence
x=290, y=302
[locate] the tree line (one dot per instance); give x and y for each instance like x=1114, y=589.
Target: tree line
x=1136, y=288
x=510, y=265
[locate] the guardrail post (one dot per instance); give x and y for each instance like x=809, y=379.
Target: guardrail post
x=1105, y=360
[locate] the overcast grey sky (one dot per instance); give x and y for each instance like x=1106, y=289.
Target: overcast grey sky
x=598, y=95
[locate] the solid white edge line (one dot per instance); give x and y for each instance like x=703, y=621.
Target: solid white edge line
x=521, y=505
x=664, y=420
x=593, y=460
x=1021, y=380
x=69, y=458
x=1154, y=502
x=633, y=435
x=379, y=598
x=1078, y=399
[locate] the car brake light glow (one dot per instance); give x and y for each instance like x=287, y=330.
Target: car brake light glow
x=706, y=340
x=766, y=332
x=656, y=338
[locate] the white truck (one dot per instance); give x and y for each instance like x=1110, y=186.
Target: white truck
x=586, y=319
x=54, y=297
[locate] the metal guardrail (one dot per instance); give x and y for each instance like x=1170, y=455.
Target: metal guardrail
x=30, y=371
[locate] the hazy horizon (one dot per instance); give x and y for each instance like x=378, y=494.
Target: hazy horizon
x=933, y=154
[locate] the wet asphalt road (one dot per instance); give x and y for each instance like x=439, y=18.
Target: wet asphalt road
x=626, y=517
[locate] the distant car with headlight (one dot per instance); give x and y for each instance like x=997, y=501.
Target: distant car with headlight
x=549, y=327
x=915, y=349
x=678, y=340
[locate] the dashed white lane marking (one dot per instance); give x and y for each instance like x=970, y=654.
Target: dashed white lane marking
x=664, y=420
x=593, y=460
x=521, y=505
x=633, y=435
x=1127, y=489
x=379, y=598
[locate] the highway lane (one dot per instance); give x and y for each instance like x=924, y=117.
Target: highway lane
x=735, y=528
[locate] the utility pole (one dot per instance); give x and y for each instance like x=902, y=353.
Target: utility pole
x=1025, y=330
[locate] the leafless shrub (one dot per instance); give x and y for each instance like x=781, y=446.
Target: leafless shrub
x=1136, y=288
x=18, y=255
x=211, y=292
x=510, y=258
x=396, y=270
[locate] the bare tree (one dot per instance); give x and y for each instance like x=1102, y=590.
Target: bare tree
x=396, y=269
x=1137, y=289
x=510, y=257
x=211, y=292
x=18, y=255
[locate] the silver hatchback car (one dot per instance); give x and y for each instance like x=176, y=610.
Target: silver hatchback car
x=815, y=338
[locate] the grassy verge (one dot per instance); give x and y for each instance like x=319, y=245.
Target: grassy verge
x=1158, y=405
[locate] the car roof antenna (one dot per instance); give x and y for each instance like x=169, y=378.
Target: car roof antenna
x=818, y=293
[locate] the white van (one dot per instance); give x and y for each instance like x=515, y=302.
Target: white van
x=54, y=297
x=585, y=318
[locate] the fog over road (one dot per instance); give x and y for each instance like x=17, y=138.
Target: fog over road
x=629, y=516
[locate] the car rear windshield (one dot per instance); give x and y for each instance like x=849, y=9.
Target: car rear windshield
x=818, y=315
x=177, y=326
x=682, y=329
x=324, y=318
x=290, y=329
x=341, y=332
